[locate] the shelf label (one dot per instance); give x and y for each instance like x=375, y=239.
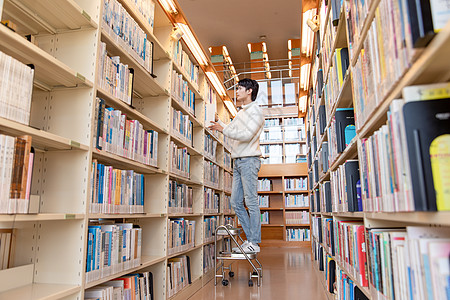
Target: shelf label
x=69, y=216
x=74, y=144
x=81, y=77
x=86, y=15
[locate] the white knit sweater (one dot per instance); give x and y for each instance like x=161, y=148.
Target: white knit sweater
x=245, y=129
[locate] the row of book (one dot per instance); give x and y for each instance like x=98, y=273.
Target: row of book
x=182, y=126
x=147, y=9
x=209, y=227
x=115, y=190
x=264, y=185
x=7, y=244
x=227, y=181
x=127, y=33
x=211, y=173
x=271, y=159
x=229, y=220
x=181, y=197
x=135, y=286
x=181, y=235
x=227, y=209
x=116, y=134
x=210, y=147
x=178, y=274
x=115, y=77
x=264, y=218
x=182, y=93
x=388, y=53
x=297, y=217
x=341, y=132
x=263, y=200
x=16, y=88
x=296, y=200
x=16, y=169
x=345, y=188
x=212, y=200
x=272, y=150
x=112, y=248
x=298, y=234
x=182, y=59
x=227, y=160
x=208, y=257
x=296, y=184
x=180, y=160
x=272, y=134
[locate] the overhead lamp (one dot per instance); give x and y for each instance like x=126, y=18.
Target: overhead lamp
x=289, y=45
x=231, y=108
x=225, y=50
x=249, y=47
x=304, y=76
x=302, y=103
x=216, y=83
x=307, y=34
x=193, y=45
x=210, y=49
x=264, y=47
x=169, y=6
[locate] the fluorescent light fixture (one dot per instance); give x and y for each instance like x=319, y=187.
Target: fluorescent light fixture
x=264, y=47
x=193, y=45
x=249, y=47
x=304, y=76
x=169, y=6
x=302, y=103
x=307, y=33
x=231, y=107
x=265, y=56
x=210, y=49
x=290, y=54
x=290, y=67
x=225, y=50
x=289, y=45
x=216, y=83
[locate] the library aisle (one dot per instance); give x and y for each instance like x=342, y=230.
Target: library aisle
x=288, y=274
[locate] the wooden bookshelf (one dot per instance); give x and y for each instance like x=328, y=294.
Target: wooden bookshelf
x=62, y=120
x=427, y=66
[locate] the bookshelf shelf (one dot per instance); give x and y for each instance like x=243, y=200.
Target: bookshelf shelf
x=175, y=215
x=185, y=251
x=159, y=51
x=270, y=208
x=430, y=67
x=176, y=103
x=270, y=192
x=41, y=291
x=272, y=225
x=47, y=217
x=296, y=192
x=211, y=186
x=129, y=110
x=41, y=139
x=213, y=134
x=49, y=72
x=123, y=162
x=349, y=153
x=298, y=225
x=125, y=216
x=144, y=84
x=296, y=208
x=187, y=291
x=212, y=214
x=184, y=179
x=52, y=17
x=146, y=261
x=184, y=143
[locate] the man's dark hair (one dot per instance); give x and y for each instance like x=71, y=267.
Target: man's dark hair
x=250, y=84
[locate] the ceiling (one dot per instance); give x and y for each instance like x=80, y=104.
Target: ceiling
x=235, y=23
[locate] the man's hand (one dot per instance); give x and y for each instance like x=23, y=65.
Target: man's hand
x=215, y=126
x=216, y=117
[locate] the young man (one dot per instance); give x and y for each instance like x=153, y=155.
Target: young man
x=245, y=129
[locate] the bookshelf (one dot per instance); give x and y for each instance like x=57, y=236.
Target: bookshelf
x=68, y=39
x=336, y=85
x=278, y=209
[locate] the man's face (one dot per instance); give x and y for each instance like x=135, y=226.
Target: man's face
x=241, y=94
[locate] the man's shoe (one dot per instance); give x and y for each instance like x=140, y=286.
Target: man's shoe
x=236, y=249
x=251, y=248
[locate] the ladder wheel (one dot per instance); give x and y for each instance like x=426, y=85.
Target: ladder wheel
x=231, y=274
x=250, y=283
x=225, y=282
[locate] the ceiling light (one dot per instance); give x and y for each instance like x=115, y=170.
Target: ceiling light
x=210, y=49
x=307, y=34
x=193, y=45
x=249, y=47
x=216, y=83
x=169, y=6
x=302, y=104
x=264, y=47
x=289, y=44
x=304, y=76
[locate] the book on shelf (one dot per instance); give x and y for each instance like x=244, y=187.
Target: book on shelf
x=179, y=274
x=182, y=93
x=182, y=59
x=263, y=200
x=115, y=77
x=208, y=257
x=180, y=160
x=297, y=234
x=211, y=173
x=137, y=286
x=180, y=198
x=181, y=235
x=17, y=89
x=116, y=191
x=112, y=248
x=264, y=218
x=116, y=134
x=209, y=227
x=296, y=184
x=297, y=217
x=296, y=200
x=17, y=156
x=7, y=245
x=264, y=184
x=211, y=147
x=211, y=201
x=182, y=126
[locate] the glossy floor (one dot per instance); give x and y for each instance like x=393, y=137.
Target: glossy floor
x=288, y=274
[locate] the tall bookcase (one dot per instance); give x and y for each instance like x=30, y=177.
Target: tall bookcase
x=50, y=250
x=342, y=91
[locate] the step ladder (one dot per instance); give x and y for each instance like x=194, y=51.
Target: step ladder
x=221, y=256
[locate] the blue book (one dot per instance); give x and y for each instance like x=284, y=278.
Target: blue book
x=89, y=251
x=358, y=195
